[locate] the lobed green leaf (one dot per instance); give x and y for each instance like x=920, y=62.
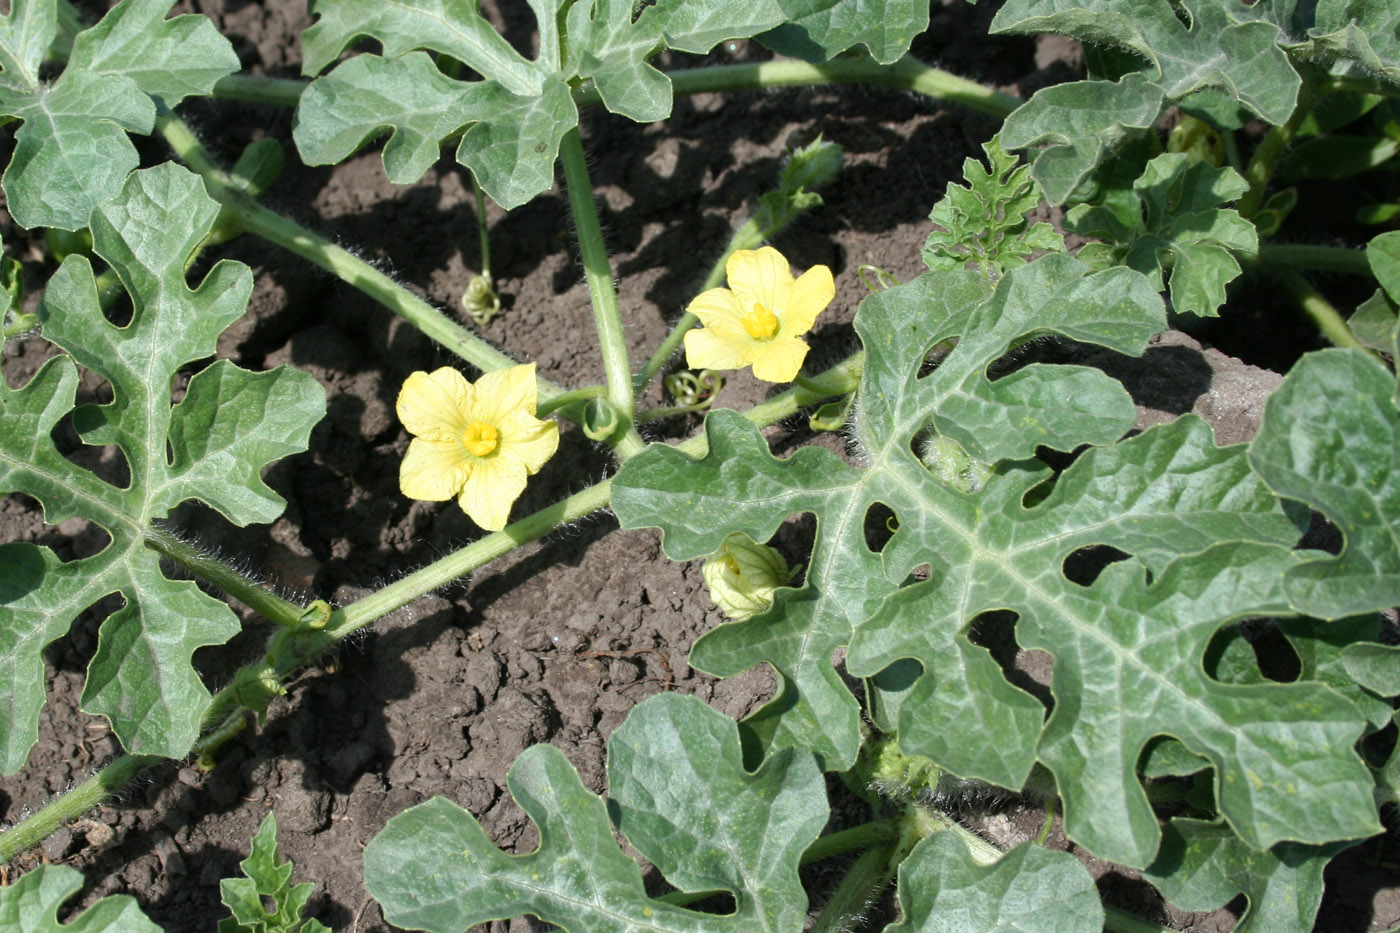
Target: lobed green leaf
x=1174, y=227
x=511, y=121
x=1329, y=437
x=266, y=878
x=1217, y=59
x=1209, y=543
x=212, y=446
x=1030, y=888
x=1204, y=866
x=681, y=796
x=32, y=903
x=819, y=30
x=985, y=222
x=72, y=151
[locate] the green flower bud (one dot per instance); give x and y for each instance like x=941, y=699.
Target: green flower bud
x=743, y=575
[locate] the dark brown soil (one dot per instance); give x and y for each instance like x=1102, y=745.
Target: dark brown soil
x=558, y=641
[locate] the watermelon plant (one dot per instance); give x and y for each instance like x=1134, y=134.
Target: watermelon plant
x=981, y=485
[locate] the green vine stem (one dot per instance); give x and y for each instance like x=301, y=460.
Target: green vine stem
x=248, y=592
x=256, y=89
x=1269, y=154
x=1320, y=258
x=37, y=827
x=908, y=73
x=1327, y=318
x=254, y=218
x=597, y=272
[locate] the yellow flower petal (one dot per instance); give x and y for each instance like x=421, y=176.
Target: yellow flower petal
x=805, y=299
x=528, y=440
x=504, y=391
x=433, y=405
x=706, y=349
x=778, y=360
x=759, y=276
x=433, y=470
x=719, y=311
x=491, y=490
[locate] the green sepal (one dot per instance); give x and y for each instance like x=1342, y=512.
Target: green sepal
x=32, y=903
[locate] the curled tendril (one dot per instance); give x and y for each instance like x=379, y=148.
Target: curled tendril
x=694, y=391
x=480, y=301
x=883, y=279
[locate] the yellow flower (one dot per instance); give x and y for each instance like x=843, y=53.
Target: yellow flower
x=760, y=317
x=476, y=442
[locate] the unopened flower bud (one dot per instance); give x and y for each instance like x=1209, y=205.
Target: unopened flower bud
x=743, y=575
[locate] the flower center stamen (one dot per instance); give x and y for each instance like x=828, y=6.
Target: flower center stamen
x=760, y=323
x=480, y=439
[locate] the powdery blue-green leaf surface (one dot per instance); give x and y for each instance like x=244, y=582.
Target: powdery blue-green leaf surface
x=267, y=879
x=1225, y=56
x=1128, y=649
x=512, y=120
x=33, y=902
x=212, y=446
x=819, y=30
x=1204, y=866
x=1330, y=437
x=1178, y=228
x=682, y=798
x=1030, y=889
x=72, y=151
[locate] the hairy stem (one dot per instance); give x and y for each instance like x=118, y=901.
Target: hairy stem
x=597, y=272
x=34, y=829
x=254, y=218
x=248, y=592
x=297, y=648
x=908, y=73
x=1327, y=318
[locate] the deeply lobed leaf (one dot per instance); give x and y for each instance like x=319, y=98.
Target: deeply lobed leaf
x=1208, y=543
x=510, y=121
x=211, y=446
x=681, y=796
x=72, y=151
x=1175, y=226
